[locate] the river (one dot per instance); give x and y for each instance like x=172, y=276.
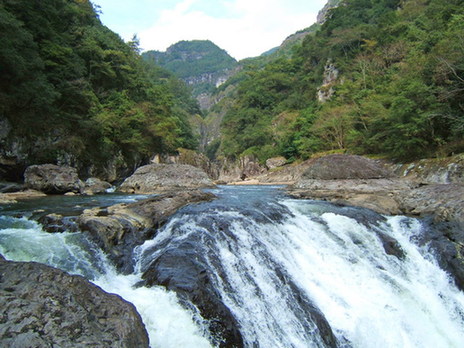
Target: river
x=282, y=267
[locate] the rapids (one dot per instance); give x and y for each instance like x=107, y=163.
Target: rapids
x=294, y=273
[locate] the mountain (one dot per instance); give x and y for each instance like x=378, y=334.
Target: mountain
x=378, y=77
x=200, y=63
x=222, y=99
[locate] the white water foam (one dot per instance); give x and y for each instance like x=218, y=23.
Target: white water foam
x=369, y=297
x=167, y=322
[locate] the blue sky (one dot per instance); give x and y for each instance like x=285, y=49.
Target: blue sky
x=244, y=28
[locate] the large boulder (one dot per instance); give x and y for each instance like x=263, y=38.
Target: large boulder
x=53, y=179
x=275, y=162
x=336, y=167
x=183, y=270
x=95, y=186
x=156, y=178
x=46, y=307
x=121, y=227
x=348, y=179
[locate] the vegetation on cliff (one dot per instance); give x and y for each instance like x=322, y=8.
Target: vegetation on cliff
x=396, y=87
x=199, y=62
x=71, y=88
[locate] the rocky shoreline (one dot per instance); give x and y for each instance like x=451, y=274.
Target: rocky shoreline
x=436, y=195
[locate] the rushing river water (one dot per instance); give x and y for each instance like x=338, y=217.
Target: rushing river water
x=278, y=264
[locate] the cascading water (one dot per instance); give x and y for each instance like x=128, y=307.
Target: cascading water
x=167, y=322
x=294, y=273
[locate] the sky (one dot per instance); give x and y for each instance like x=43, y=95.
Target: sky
x=244, y=28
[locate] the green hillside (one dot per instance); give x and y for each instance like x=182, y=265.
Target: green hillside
x=200, y=63
x=397, y=87
x=72, y=91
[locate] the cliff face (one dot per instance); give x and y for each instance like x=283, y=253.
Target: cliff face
x=323, y=14
x=200, y=63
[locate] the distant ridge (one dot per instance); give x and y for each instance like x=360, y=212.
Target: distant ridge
x=200, y=63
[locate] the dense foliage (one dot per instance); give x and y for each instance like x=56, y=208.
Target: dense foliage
x=199, y=62
x=72, y=88
x=399, y=92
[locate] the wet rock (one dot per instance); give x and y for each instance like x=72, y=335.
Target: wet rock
x=9, y=187
x=391, y=245
x=183, y=270
x=95, y=186
x=376, y=194
x=56, y=223
x=444, y=202
x=8, y=198
x=46, y=307
x=156, y=178
x=53, y=179
x=119, y=228
x=446, y=241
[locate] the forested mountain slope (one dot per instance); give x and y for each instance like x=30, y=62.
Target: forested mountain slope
x=73, y=92
x=381, y=77
x=200, y=63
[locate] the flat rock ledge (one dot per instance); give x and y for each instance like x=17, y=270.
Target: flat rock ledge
x=445, y=202
x=46, y=307
x=441, y=204
x=358, y=181
x=13, y=197
x=376, y=194
x=121, y=227
x=158, y=178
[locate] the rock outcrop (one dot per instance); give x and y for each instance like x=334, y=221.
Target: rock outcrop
x=245, y=167
x=275, y=162
x=192, y=158
x=326, y=90
x=50, y=178
x=448, y=170
x=157, y=178
x=95, y=186
x=414, y=194
x=182, y=269
x=119, y=228
x=376, y=194
x=323, y=14
x=46, y=307
x=344, y=167
x=13, y=197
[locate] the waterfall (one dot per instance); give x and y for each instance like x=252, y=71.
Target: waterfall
x=167, y=322
x=294, y=273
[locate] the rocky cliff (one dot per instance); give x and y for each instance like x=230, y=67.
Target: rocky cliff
x=200, y=63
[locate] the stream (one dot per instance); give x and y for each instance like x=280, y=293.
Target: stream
x=293, y=273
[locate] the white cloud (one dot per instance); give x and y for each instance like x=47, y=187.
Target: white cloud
x=250, y=28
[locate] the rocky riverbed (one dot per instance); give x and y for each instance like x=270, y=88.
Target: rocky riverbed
x=433, y=192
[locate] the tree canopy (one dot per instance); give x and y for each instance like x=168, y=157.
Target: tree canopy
x=399, y=90
x=71, y=87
